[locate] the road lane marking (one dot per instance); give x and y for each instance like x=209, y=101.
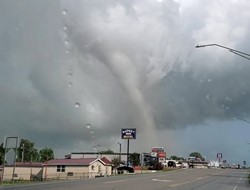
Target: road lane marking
x=133, y=179
x=126, y=180
x=119, y=181
x=237, y=184
x=162, y=180
x=178, y=184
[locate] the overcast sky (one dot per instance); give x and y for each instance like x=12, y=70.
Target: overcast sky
x=74, y=72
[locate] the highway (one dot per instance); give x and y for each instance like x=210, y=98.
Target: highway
x=185, y=179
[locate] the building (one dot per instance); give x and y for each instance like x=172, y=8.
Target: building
x=1, y=172
x=77, y=168
x=59, y=169
x=197, y=164
x=213, y=164
x=24, y=171
x=109, y=156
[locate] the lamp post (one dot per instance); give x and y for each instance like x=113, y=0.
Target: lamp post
x=120, y=149
x=239, y=53
x=23, y=153
x=246, y=121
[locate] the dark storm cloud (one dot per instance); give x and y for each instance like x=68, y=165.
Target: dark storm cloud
x=127, y=64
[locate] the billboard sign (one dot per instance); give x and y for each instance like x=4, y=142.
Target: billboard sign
x=157, y=149
x=162, y=154
x=129, y=133
x=219, y=155
x=154, y=154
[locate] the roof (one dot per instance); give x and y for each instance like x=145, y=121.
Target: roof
x=97, y=153
x=27, y=164
x=106, y=161
x=77, y=161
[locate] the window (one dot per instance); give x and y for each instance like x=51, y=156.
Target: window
x=70, y=174
x=60, y=168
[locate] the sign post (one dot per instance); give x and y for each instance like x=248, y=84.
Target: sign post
x=10, y=143
x=220, y=157
x=128, y=133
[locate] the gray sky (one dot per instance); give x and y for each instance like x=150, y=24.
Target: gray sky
x=126, y=64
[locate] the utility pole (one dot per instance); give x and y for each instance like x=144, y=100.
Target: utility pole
x=120, y=150
x=23, y=153
x=98, y=150
x=128, y=153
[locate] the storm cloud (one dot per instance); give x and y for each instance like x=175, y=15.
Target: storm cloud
x=73, y=73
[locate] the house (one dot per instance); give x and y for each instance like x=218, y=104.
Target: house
x=1, y=172
x=59, y=169
x=24, y=171
x=197, y=164
x=77, y=168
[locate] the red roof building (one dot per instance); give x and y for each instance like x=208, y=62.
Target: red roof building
x=60, y=169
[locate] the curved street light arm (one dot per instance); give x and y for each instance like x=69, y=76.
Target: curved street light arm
x=241, y=119
x=239, y=53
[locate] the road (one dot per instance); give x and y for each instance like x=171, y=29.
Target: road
x=186, y=179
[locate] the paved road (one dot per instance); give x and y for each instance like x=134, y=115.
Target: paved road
x=188, y=179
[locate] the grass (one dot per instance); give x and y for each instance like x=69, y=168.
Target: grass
x=15, y=182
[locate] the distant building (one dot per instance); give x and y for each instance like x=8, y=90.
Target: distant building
x=109, y=156
x=213, y=164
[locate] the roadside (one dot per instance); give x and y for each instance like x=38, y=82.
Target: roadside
x=249, y=177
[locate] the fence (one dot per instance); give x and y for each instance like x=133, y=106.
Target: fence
x=49, y=177
x=71, y=175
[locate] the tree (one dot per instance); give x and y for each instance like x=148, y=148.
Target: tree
x=176, y=158
x=46, y=154
x=26, y=152
x=134, y=159
x=107, y=152
x=2, y=151
x=116, y=162
x=196, y=155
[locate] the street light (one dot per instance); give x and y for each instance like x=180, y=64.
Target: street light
x=242, y=119
x=239, y=53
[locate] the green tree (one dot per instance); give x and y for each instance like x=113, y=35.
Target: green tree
x=2, y=151
x=134, y=159
x=46, y=154
x=116, y=162
x=26, y=152
x=196, y=155
x=107, y=152
x=176, y=158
